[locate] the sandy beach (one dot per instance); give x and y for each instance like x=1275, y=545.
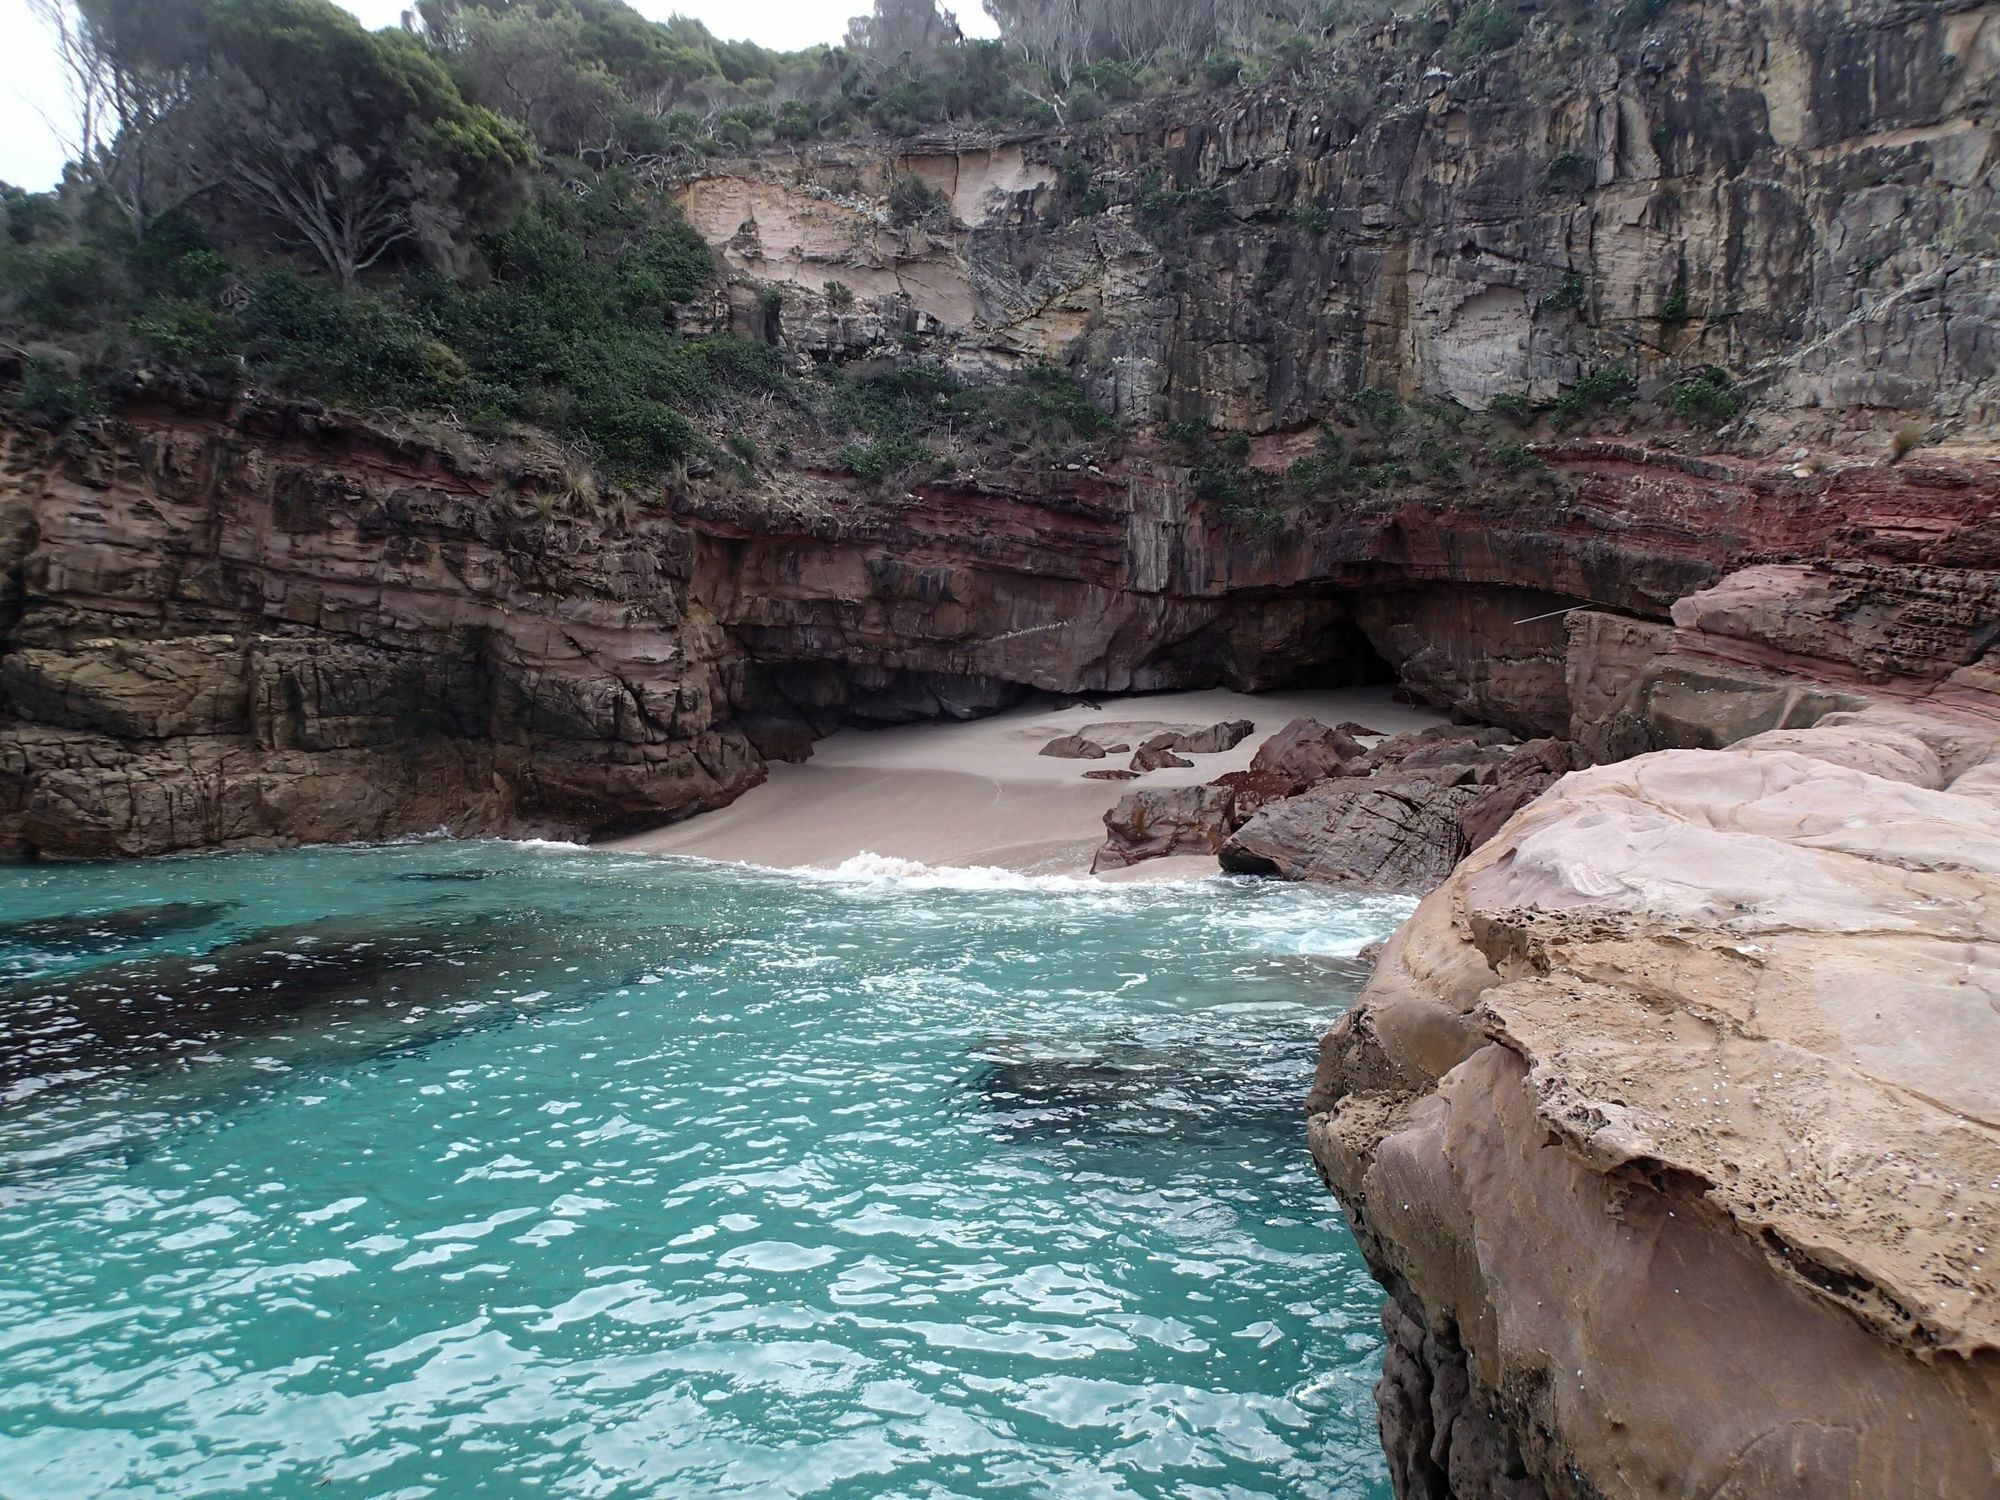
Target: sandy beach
x=981, y=793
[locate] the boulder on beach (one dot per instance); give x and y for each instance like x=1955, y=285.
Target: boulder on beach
x=1213, y=740
x=1074, y=747
x=1305, y=751
x=1146, y=758
x=1160, y=821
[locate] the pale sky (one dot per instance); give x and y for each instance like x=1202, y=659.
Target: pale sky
x=31, y=153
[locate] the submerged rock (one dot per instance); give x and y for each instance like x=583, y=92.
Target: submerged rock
x=103, y=932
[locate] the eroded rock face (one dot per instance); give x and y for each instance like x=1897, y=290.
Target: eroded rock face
x=1669, y=1121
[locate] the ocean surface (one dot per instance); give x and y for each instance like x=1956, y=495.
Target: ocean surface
x=446, y=1169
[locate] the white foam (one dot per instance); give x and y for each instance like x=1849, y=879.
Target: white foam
x=869, y=868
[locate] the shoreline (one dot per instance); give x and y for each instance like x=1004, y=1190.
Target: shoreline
x=978, y=793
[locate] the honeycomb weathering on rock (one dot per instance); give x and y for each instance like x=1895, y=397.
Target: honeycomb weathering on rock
x=1682, y=1087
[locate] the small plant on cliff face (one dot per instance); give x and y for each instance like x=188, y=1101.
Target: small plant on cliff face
x=839, y=296
x=1674, y=311
x=1567, y=296
x=1160, y=203
x=1316, y=474
x=1708, y=397
x=1379, y=408
x=1441, y=460
x=1569, y=169
x=50, y=397
x=914, y=201
x=1612, y=386
x=1510, y=407
x=1312, y=218
x=1481, y=31
x=1517, y=458
x=874, y=462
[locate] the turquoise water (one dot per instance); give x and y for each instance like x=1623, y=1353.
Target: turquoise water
x=493, y=1169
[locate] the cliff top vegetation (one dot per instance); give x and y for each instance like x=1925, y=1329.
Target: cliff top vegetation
x=472, y=217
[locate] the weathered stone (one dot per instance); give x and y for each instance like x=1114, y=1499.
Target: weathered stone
x=1305, y=751
x=1074, y=747
x=1144, y=760
x=1213, y=740
x=1696, y=1045
x=1380, y=833
x=1162, y=821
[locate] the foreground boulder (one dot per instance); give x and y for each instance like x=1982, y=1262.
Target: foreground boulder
x=1671, y=1123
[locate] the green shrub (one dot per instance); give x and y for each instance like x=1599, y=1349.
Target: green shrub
x=1568, y=295
x=839, y=296
x=1229, y=484
x=1517, y=458
x=1316, y=474
x=1708, y=397
x=1482, y=30
x=1312, y=218
x=187, y=333
x=1674, y=311
x=1611, y=386
x=1441, y=460
x=1379, y=408
x=1221, y=69
x=62, y=287
x=876, y=461
x=1511, y=407
x=51, y=397
x=1569, y=169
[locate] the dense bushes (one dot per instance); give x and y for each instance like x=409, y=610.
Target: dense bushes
x=902, y=416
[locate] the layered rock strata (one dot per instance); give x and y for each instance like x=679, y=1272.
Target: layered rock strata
x=1669, y=1124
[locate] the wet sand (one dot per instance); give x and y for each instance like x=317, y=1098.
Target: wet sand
x=981, y=794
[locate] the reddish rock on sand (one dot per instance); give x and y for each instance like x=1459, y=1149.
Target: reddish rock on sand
x=1162, y=821
x=1254, y=789
x=1306, y=751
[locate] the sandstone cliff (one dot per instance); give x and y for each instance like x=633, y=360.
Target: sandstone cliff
x=238, y=620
